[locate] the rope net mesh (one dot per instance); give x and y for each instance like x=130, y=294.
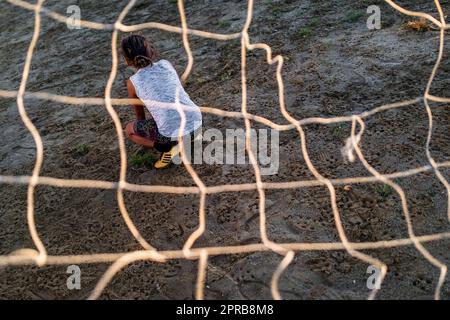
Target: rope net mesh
x=38, y=255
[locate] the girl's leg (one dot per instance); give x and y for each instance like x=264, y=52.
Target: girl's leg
x=136, y=137
x=145, y=133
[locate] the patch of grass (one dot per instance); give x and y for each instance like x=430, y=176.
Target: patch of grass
x=201, y=81
x=339, y=132
x=277, y=8
x=82, y=149
x=354, y=16
x=384, y=190
x=173, y=1
x=314, y=23
x=304, y=32
x=226, y=75
x=224, y=24
x=140, y=160
x=308, y=30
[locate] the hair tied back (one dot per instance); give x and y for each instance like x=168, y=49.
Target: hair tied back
x=142, y=61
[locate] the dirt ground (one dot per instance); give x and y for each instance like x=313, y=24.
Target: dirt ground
x=334, y=66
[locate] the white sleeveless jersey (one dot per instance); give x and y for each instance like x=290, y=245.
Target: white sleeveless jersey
x=157, y=87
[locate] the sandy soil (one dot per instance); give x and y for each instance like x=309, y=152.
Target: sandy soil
x=338, y=68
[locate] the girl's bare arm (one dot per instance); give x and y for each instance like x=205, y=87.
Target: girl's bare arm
x=139, y=109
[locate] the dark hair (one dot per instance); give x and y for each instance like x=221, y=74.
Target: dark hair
x=140, y=52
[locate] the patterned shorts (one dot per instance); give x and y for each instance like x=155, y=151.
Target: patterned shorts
x=149, y=130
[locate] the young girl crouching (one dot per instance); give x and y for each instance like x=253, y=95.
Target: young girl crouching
x=157, y=85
